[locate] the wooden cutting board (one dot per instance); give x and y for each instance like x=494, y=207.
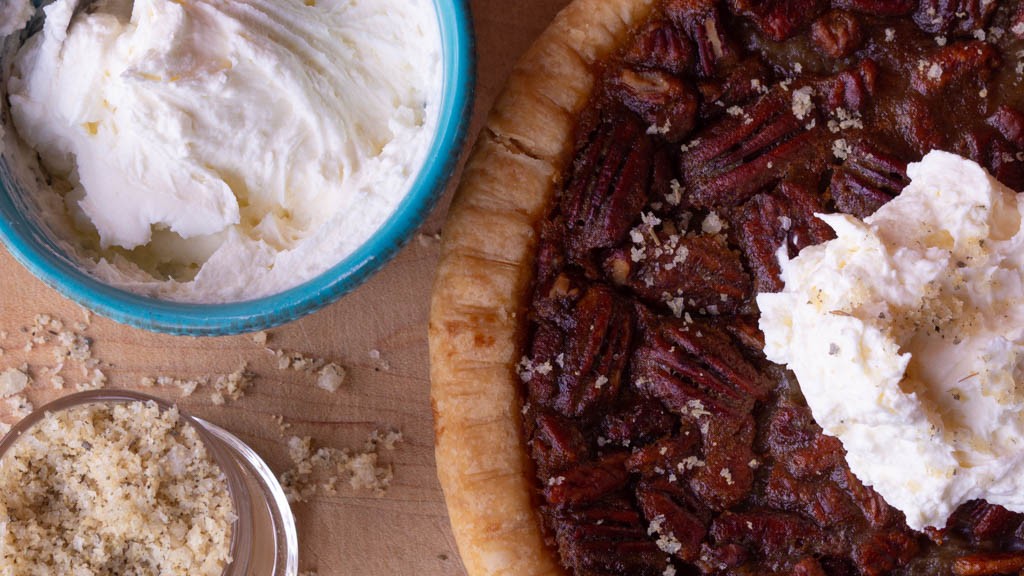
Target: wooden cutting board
x=379, y=333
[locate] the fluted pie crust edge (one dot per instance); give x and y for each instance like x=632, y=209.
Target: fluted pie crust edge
x=483, y=281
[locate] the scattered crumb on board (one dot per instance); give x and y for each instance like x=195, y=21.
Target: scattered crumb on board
x=329, y=375
x=318, y=471
x=224, y=386
x=315, y=470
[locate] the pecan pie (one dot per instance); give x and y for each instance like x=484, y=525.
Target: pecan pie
x=602, y=403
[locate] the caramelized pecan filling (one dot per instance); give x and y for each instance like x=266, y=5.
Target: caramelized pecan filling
x=664, y=442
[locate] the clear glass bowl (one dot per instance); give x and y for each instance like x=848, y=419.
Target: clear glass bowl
x=264, y=541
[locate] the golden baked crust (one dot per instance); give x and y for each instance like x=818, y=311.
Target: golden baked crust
x=482, y=283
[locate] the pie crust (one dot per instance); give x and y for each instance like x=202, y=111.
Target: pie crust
x=483, y=281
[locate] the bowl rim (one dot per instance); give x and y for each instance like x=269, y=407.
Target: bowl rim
x=195, y=319
x=218, y=443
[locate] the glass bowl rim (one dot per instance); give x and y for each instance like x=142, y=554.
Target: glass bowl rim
x=240, y=542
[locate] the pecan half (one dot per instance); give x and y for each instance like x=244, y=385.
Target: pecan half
x=679, y=531
x=654, y=460
x=837, y=34
x=819, y=457
x=587, y=483
x=790, y=427
x=660, y=45
x=735, y=158
x=955, y=66
x=867, y=179
x=607, y=185
x=726, y=477
x=606, y=539
x=557, y=443
x=742, y=84
x=1010, y=123
x=779, y=19
x=744, y=329
x=769, y=221
x=960, y=17
x=693, y=367
x=989, y=564
x=551, y=256
x=702, y=22
x=878, y=7
x=986, y=147
x=874, y=508
x=665, y=102
x=882, y=552
x=698, y=272
x=767, y=531
x=597, y=348
x=982, y=522
x=542, y=379
x=819, y=499
x=850, y=89
x=638, y=421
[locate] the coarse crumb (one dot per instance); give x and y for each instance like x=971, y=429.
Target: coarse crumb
x=42, y=331
x=225, y=386
x=429, y=240
x=16, y=406
x=382, y=364
x=802, y=103
x=676, y=195
x=331, y=377
x=660, y=129
x=67, y=346
x=97, y=379
x=388, y=439
x=282, y=426
x=297, y=361
x=260, y=338
x=712, y=224
x=840, y=149
x=12, y=381
x=233, y=385
x=113, y=489
x=322, y=469
x=185, y=386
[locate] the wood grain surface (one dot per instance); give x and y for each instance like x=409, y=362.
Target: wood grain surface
x=348, y=533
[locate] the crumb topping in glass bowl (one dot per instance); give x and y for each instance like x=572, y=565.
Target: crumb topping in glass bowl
x=113, y=488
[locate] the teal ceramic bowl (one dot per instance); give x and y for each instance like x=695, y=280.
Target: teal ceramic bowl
x=33, y=248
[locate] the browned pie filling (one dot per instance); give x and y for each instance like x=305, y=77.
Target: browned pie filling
x=664, y=442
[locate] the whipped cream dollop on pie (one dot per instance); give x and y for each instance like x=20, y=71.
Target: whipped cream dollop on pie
x=906, y=334
x=217, y=150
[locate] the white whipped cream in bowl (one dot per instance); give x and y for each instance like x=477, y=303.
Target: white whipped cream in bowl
x=906, y=334
x=217, y=166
